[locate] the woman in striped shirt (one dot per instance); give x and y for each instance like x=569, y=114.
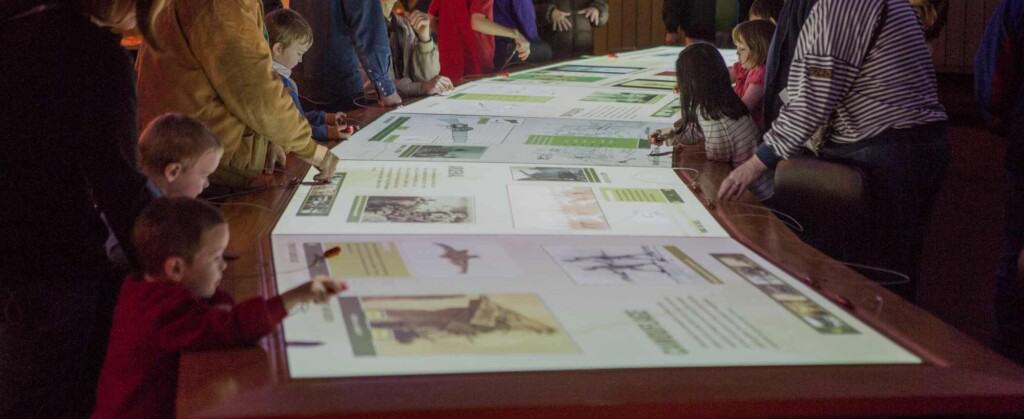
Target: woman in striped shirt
x=862, y=75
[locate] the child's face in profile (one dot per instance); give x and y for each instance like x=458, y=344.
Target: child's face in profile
x=204, y=273
x=743, y=54
x=291, y=55
x=191, y=181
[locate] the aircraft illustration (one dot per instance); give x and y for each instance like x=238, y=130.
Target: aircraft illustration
x=458, y=258
x=623, y=265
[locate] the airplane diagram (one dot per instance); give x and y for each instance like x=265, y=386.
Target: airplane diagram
x=459, y=258
x=633, y=265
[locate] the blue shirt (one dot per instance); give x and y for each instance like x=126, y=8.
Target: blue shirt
x=317, y=119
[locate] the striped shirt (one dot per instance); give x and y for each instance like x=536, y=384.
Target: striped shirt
x=860, y=67
x=728, y=140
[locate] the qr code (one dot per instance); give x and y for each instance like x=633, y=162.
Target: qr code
x=454, y=171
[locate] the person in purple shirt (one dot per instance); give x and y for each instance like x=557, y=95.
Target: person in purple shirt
x=521, y=15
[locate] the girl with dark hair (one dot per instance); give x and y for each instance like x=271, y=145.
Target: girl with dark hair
x=712, y=112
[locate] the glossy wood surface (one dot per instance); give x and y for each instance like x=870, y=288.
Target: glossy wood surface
x=960, y=376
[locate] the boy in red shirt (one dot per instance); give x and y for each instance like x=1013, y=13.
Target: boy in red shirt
x=175, y=306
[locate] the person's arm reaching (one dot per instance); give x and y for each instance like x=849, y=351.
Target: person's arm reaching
x=824, y=68
x=205, y=326
x=230, y=47
x=484, y=25
x=823, y=71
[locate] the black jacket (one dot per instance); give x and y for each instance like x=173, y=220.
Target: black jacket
x=69, y=137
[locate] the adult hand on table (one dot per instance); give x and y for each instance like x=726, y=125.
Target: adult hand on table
x=276, y=158
x=741, y=177
x=560, y=21
x=592, y=14
x=437, y=85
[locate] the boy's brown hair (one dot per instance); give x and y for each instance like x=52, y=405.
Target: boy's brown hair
x=172, y=227
x=757, y=34
x=174, y=138
x=287, y=27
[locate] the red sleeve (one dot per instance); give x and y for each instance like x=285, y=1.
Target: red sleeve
x=200, y=326
x=484, y=7
x=756, y=75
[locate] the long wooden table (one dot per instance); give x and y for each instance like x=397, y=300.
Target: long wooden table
x=960, y=376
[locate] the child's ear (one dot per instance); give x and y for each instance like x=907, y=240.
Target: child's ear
x=172, y=171
x=277, y=48
x=174, y=268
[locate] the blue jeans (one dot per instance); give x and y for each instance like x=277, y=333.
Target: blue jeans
x=904, y=170
x=1008, y=338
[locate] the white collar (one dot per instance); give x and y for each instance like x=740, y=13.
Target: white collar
x=282, y=70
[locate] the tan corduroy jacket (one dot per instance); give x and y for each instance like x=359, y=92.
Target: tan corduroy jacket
x=214, y=64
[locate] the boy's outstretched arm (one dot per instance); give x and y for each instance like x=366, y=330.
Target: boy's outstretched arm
x=203, y=327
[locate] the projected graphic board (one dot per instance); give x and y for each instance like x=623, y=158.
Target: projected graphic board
x=474, y=198
x=540, y=101
x=508, y=140
x=571, y=74
x=520, y=224
x=457, y=304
